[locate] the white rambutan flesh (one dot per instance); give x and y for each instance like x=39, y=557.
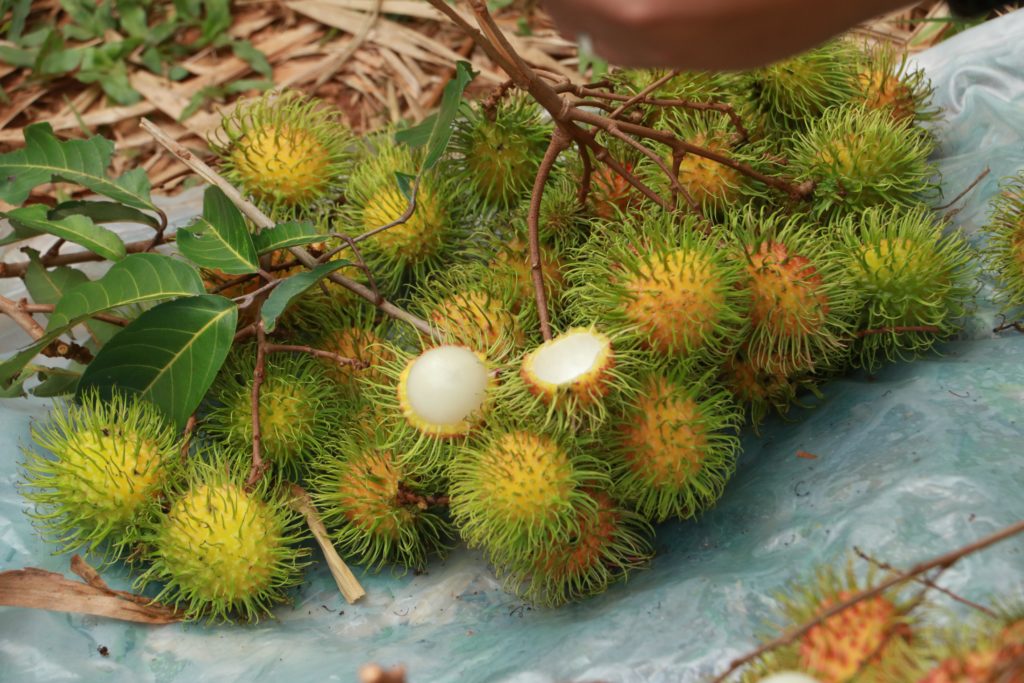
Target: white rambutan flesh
x=566, y=359
x=445, y=385
x=788, y=677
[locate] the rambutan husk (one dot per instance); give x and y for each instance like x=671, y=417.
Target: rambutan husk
x=916, y=282
x=221, y=551
x=376, y=512
x=1004, y=250
x=99, y=466
x=661, y=284
x=675, y=447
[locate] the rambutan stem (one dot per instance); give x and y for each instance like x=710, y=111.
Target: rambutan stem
x=407, y=496
x=560, y=141
x=925, y=581
x=186, y=438
x=258, y=464
x=21, y=317
x=642, y=95
x=588, y=170
x=48, y=308
x=319, y=353
x=941, y=562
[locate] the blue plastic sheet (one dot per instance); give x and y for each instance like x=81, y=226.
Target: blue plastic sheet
x=915, y=461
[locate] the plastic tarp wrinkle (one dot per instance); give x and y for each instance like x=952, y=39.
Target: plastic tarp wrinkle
x=920, y=459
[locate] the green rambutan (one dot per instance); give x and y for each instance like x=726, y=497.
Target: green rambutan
x=793, y=93
x=867, y=641
x=300, y=408
x=574, y=377
x=508, y=259
x=607, y=546
x=495, y=153
x=801, y=297
x=430, y=403
x=858, y=158
x=222, y=551
x=287, y=150
x=375, y=512
x=1004, y=251
x=419, y=244
x=887, y=81
x=674, y=448
x=915, y=282
x=669, y=287
x=103, y=464
x=516, y=490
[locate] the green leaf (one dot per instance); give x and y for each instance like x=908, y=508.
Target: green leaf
x=76, y=228
x=53, y=59
x=219, y=239
x=104, y=212
x=45, y=158
x=16, y=56
x=18, y=233
x=138, y=278
x=282, y=295
x=48, y=286
x=217, y=20
x=440, y=127
x=169, y=356
x=405, y=184
x=19, y=12
x=245, y=51
x=57, y=382
x=286, y=235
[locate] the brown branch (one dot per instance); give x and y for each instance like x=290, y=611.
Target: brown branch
x=942, y=561
x=897, y=329
x=559, y=142
x=54, y=249
x=263, y=221
x=673, y=177
x=19, y=269
x=22, y=318
x=297, y=348
x=1008, y=325
x=186, y=439
x=588, y=170
x=602, y=154
x=630, y=101
x=925, y=581
x=48, y=308
x=974, y=183
x=259, y=466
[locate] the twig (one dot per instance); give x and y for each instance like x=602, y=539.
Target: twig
x=898, y=329
x=22, y=318
x=924, y=580
x=673, y=175
x=297, y=348
x=21, y=267
x=258, y=465
x=186, y=439
x=559, y=142
x=48, y=308
x=942, y=561
x=263, y=222
x=1005, y=325
x=588, y=170
x=974, y=183
x=630, y=101
x=347, y=583
x=54, y=250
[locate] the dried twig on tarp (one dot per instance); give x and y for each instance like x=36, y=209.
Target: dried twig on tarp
x=347, y=582
x=40, y=589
